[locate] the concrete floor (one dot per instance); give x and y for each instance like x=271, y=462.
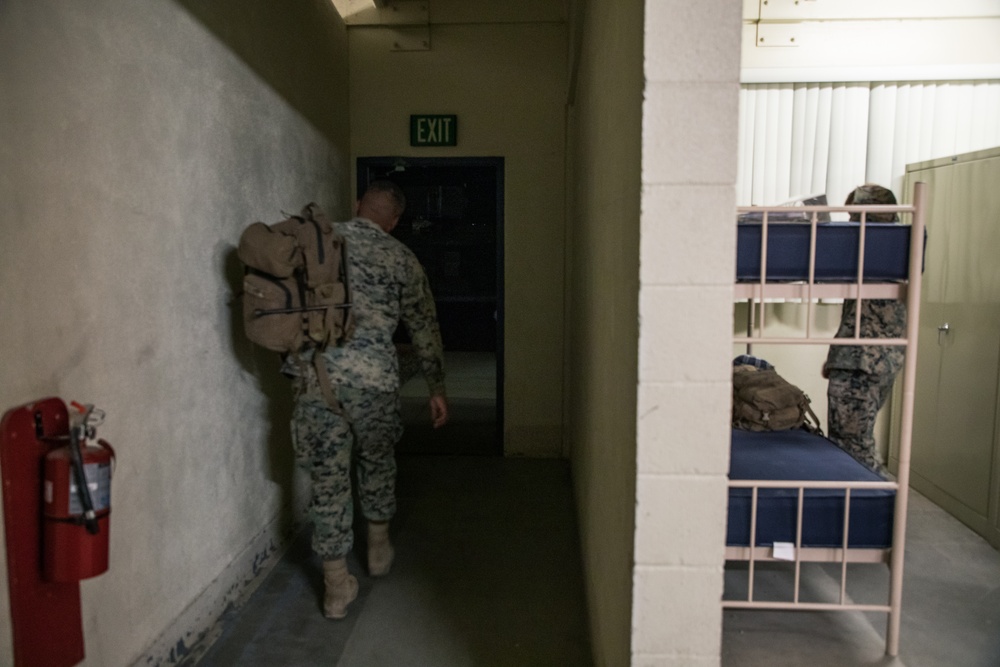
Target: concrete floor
x=487, y=573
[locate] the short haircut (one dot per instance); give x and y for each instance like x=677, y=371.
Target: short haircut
x=389, y=188
x=869, y=193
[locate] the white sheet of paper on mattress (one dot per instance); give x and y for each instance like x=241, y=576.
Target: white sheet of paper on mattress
x=784, y=551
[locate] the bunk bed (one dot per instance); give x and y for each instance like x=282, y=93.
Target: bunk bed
x=794, y=496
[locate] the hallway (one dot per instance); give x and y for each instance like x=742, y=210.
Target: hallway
x=487, y=573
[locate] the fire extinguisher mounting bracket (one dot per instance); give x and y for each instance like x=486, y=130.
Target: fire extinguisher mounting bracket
x=45, y=615
x=40, y=434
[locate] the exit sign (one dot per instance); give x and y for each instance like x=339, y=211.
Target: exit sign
x=434, y=130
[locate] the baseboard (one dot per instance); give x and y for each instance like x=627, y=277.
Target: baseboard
x=192, y=633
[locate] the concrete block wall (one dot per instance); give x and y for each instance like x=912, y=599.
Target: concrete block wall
x=135, y=145
x=689, y=139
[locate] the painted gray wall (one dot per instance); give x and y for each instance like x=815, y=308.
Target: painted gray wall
x=136, y=141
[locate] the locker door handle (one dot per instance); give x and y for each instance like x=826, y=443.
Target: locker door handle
x=943, y=329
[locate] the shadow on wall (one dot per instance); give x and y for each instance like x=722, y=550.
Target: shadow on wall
x=303, y=57
x=264, y=365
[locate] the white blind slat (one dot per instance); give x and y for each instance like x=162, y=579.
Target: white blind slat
x=811, y=138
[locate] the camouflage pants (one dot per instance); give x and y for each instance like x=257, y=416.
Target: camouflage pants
x=326, y=444
x=854, y=400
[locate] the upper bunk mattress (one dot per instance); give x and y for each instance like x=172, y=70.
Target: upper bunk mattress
x=886, y=251
x=799, y=455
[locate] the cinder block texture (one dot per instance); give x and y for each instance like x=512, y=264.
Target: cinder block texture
x=680, y=429
x=693, y=41
x=685, y=334
x=677, y=660
x=688, y=235
x=676, y=610
x=680, y=520
x=689, y=133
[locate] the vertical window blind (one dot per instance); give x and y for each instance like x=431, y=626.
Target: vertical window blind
x=803, y=139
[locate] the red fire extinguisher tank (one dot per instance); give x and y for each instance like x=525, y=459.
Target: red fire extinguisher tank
x=75, y=544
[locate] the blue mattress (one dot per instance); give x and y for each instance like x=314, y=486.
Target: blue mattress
x=886, y=251
x=799, y=455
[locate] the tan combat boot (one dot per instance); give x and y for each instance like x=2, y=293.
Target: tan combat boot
x=341, y=588
x=380, y=552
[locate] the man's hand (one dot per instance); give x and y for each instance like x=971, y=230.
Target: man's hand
x=439, y=411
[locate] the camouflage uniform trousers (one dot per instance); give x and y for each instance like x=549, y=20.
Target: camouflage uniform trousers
x=325, y=444
x=854, y=400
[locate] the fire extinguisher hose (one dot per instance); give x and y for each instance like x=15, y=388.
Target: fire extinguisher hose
x=82, y=488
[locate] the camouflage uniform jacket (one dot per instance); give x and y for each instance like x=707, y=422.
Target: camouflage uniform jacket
x=880, y=318
x=388, y=285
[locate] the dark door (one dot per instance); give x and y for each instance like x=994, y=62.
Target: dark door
x=453, y=223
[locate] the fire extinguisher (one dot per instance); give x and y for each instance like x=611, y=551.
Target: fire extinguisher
x=77, y=501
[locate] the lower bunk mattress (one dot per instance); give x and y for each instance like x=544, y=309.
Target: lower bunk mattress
x=887, y=251
x=800, y=455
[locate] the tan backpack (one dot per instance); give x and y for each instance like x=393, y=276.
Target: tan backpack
x=295, y=290
x=765, y=401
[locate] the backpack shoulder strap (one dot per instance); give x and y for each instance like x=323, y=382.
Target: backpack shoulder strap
x=815, y=427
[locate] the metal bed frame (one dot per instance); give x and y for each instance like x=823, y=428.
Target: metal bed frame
x=807, y=292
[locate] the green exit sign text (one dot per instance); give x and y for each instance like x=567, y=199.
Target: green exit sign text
x=434, y=130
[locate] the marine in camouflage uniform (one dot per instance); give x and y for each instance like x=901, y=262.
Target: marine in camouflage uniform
x=388, y=286
x=861, y=376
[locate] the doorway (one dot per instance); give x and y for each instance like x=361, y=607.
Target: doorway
x=453, y=223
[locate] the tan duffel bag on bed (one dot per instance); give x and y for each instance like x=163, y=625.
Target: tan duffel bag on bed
x=765, y=401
